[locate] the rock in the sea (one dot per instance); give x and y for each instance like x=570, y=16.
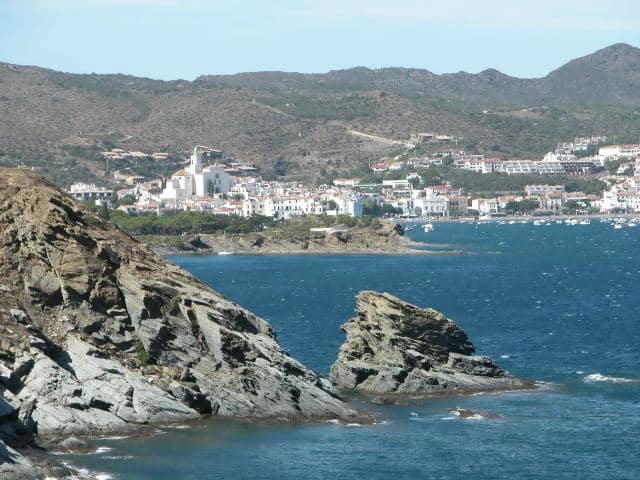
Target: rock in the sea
x=100, y=334
x=396, y=348
x=465, y=413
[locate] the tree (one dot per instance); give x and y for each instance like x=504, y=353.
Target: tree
x=571, y=207
x=346, y=220
x=103, y=211
x=415, y=182
x=523, y=206
x=331, y=205
x=371, y=208
x=127, y=199
x=512, y=206
x=527, y=206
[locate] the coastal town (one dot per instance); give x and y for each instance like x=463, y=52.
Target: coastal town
x=309, y=240
x=398, y=187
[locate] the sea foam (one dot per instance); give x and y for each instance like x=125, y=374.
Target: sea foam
x=598, y=377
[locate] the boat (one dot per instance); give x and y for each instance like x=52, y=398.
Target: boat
x=428, y=227
x=618, y=226
x=584, y=222
x=225, y=253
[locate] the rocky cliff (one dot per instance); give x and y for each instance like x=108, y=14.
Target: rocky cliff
x=97, y=333
x=396, y=348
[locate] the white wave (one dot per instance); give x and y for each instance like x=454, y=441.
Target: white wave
x=175, y=426
x=85, y=473
x=113, y=437
x=542, y=385
x=448, y=418
x=118, y=457
x=598, y=377
x=477, y=416
x=100, y=450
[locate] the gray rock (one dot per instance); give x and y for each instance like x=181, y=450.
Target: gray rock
x=73, y=445
x=111, y=336
x=18, y=315
x=14, y=466
x=396, y=348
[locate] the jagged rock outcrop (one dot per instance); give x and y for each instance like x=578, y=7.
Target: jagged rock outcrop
x=97, y=333
x=396, y=348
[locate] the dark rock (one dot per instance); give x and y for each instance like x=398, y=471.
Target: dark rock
x=396, y=348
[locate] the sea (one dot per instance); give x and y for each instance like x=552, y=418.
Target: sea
x=555, y=303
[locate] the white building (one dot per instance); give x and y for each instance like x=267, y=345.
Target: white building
x=196, y=181
x=620, y=151
x=485, y=205
x=431, y=205
x=85, y=191
x=558, y=157
x=529, y=166
x=346, y=182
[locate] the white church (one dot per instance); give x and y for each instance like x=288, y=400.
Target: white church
x=196, y=181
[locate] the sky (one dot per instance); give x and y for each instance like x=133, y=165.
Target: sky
x=171, y=39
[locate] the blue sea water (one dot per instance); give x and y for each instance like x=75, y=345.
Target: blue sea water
x=558, y=304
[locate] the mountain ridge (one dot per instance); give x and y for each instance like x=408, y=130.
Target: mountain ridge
x=296, y=123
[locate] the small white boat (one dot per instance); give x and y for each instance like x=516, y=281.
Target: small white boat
x=584, y=222
x=427, y=227
x=225, y=253
x=618, y=226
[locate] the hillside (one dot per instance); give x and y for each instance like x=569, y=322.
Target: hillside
x=291, y=123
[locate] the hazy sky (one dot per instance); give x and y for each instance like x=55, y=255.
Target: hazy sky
x=171, y=39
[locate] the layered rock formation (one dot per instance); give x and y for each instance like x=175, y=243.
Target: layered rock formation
x=97, y=333
x=396, y=348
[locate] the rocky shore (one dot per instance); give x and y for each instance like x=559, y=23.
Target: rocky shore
x=394, y=348
x=99, y=334
x=384, y=240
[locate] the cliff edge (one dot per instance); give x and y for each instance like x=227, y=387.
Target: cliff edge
x=396, y=348
x=97, y=333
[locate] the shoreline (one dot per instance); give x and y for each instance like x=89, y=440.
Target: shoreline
x=589, y=216
x=349, y=242
x=165, y=252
